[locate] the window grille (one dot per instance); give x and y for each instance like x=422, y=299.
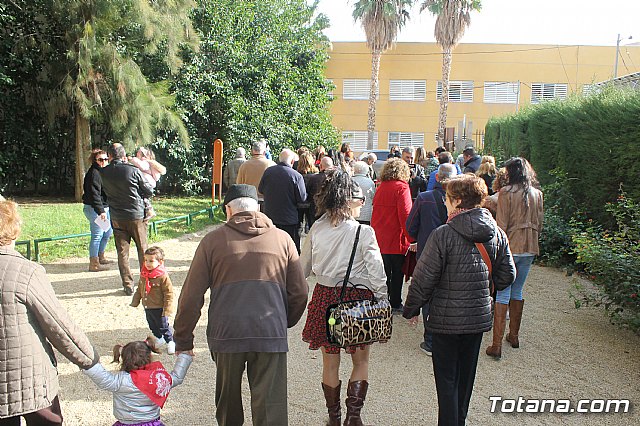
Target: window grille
x=501, y=92
x=357, y=89
x=547, y=91
x=407, y=90
x=459, y=91
x=405, y=139
x=357, y=139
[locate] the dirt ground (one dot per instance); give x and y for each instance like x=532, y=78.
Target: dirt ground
x=564, y=354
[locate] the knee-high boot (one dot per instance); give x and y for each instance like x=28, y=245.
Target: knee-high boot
x=332, y=398
x=356, y=393
x=499, y=322
x=515, y=307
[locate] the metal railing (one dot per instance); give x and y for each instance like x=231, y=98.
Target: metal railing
x=153, y=227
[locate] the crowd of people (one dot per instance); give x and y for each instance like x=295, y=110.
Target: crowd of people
x=422, y=218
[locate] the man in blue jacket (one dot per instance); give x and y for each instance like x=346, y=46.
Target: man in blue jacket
x=429, y=212
x=283, y=189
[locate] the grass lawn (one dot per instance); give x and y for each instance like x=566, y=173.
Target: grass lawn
x=52, y=218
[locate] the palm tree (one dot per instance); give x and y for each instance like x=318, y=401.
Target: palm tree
x=453, y=17
x=381, y=21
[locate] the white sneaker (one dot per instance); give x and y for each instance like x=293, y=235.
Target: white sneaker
x=171, y=347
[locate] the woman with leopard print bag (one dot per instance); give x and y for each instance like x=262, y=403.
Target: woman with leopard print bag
x=325, y=254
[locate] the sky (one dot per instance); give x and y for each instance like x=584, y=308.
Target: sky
x=584, y=22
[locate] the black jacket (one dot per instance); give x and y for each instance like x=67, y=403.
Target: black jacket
x=452, y=276
x=283, y=190
x=472, y=165
x=125, y=188
x=93, y=195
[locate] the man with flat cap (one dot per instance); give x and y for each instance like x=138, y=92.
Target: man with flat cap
x=258, y=290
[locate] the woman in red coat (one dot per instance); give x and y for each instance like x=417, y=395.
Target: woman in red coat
x=391, y=207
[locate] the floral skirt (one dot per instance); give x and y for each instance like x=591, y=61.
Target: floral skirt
x=315, y=329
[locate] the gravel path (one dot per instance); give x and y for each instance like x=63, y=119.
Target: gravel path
x=565, y=354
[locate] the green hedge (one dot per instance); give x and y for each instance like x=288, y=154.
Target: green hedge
x=593, y=140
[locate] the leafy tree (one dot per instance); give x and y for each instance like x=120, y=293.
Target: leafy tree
x=381, y=21
x=259, y=72
x=91, y=74
x=453, y=17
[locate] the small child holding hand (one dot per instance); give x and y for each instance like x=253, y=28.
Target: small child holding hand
x=155, y=290
x=141, y=388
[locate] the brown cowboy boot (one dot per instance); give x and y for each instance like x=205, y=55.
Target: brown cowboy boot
x=515, y=307
x=499, y=322
x=332, y=398
x=103, y=260
x=94, y=265
x=356, y=393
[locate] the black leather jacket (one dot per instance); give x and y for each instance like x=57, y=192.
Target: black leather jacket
x=93, y=194
x=125, y=188
x=452, y=276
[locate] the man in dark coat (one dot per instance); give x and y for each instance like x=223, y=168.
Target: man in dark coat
x=125, y=188
x=283, y=190
x=471, y=160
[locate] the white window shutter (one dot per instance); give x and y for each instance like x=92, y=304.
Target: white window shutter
x=407, y=90
x=500, y=92
x=357, y=139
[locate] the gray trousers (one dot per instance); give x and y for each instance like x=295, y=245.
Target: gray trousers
x=267, y=375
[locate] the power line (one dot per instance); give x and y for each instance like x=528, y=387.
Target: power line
x=458, y=53
x=563, y=67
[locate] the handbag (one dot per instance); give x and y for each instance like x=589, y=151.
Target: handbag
x=361, y=321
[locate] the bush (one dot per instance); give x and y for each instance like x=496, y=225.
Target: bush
x=612, y=260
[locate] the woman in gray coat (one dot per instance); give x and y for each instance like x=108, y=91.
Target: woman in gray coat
x=452, y=276
x=32, y=320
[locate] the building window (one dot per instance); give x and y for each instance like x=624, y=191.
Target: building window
x=501, y=92
x=407, y=90
x=459, y=91
x=406, y=139
x=357, y=139
x=357, y=89
x=547, y=91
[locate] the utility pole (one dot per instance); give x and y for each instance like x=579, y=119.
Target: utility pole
x=615, y=67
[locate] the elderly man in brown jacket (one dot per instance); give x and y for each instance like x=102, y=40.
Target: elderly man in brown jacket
x=251, y=171
x=258, y=290
x=31, y=321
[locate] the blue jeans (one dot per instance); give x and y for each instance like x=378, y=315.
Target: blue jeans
x=99, y=238
x=514, y=291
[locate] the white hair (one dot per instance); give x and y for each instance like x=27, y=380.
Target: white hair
x=287, y=156
x=243, y=204
x=446, y=171
x=360, y=168
x=259, y=146
x=240, y=152
x=372, y=156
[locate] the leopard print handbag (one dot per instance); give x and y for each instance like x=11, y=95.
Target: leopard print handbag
x=357, y=322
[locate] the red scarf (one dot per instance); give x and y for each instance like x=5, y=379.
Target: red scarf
x=158, y=272
x=455, y=213
x=153, y=381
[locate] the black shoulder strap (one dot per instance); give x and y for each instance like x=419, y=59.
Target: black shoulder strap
x=353, y=255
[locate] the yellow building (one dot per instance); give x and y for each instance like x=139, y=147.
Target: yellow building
x=486, y=80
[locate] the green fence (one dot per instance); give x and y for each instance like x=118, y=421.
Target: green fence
x=153, y=227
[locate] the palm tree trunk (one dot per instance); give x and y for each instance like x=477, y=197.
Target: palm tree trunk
x=444, y=101
x=371, y=122
x=83, y=146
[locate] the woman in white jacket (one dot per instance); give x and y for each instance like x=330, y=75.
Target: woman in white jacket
x=325, y=255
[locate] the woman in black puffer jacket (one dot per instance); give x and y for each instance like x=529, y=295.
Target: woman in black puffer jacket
x=452, y=276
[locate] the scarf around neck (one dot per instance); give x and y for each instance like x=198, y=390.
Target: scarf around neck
x=153, y=381
x=147, y=274
x=455, y=213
